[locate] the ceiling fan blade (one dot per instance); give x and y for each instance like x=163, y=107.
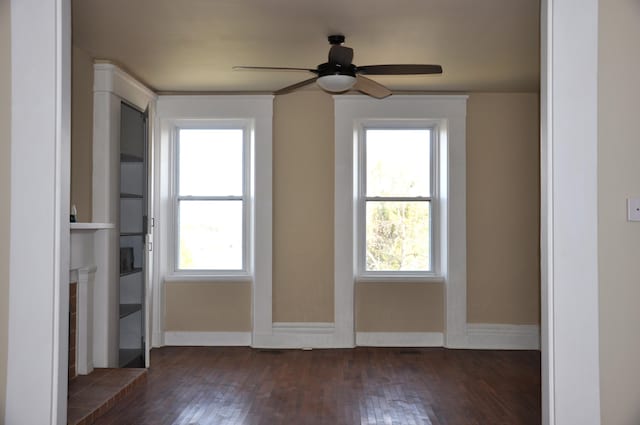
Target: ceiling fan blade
x=371, y=88
x=271, y=68
x=295, y=86
x=399, y=69
x=341, y=55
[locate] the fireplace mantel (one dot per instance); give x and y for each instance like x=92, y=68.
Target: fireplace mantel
x=89, y=263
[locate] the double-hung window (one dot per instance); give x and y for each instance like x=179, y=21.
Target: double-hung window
x=210, y=200
x=397, y=173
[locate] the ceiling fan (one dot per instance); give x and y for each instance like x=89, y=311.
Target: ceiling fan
x=339, y=74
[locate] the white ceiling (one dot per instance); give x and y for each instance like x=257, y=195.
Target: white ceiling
x=191, y=45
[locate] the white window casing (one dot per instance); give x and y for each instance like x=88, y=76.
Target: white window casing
x=446, y=115
x=254, y=114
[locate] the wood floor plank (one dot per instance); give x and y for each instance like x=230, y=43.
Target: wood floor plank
x=242, y=386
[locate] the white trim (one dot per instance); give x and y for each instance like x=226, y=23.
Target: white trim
x=400, y=339
x=450, y=112
x=246, y=126
x=298, y=335
x=361, y=196
x=403, y=278
x=157, y=337
x=304, y=327
x=546, y=212
x=207, y=339
x=492, y=336
x=37, y=344
x=569, y=243
x=110, y=78
x=213, y=278
x=90, y=226
x=259, y=110
x=84, y=319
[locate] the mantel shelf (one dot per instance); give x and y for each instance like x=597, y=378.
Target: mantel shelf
x=91, y=226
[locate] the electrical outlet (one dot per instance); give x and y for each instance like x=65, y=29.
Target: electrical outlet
x=633, y=209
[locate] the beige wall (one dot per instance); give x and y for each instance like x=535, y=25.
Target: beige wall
x=303, y=160
x=503, y=221
x=503, y=209
x=503, y=226
x=207, y=306
x=399, y=307
x=5, y=188
x=619, y=240
x=81, y=132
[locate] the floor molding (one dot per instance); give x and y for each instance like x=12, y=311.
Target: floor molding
x=304, y=327
x=503, y=337
x=299, y=335
x=400, y=339
x=322, y=335
x=207, y=338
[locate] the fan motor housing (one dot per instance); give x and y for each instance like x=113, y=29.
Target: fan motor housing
x=336, y=69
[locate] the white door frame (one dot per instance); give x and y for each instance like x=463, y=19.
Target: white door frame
x=39, y=211
x=39, y=242
x=569, y=221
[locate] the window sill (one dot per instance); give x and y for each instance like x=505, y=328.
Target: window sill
x=393, y=278
x=217, y=278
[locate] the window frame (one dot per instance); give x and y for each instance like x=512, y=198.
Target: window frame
x=361, y=199
x=247, y=127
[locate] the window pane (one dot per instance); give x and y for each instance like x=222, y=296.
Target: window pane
x=210, y=235
x=398, y=236
x=210, y=162
x=398, y=162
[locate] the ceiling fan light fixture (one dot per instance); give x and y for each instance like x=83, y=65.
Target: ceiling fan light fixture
x=336, y=83
x=339, y=74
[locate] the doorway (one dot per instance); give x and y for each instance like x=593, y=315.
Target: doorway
x=40, y=23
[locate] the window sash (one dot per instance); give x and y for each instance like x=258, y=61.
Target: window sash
x=209, y=198
x=181, y=203
x=177, y=199
x=363, y=199
x=178, y=160
x=365, y=157
x=398, y=198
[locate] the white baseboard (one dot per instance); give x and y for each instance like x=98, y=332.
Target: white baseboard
x=455, y=340
x=399, y=339
x=303, y=327
x=299, y=335
x=322, y=335
x=157, y=339
x=503, y=337
x=207, y=338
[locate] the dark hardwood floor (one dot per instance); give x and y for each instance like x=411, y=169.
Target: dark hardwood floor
x=211, y=385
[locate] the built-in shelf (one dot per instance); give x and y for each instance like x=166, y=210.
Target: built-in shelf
x=132, y=231
x=129, y=356
x=130, y=196
x=127, y=309
x=132, y=234
x=132, y=271
x=125, y=157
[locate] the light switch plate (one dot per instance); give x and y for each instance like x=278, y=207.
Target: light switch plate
x=633, y=209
